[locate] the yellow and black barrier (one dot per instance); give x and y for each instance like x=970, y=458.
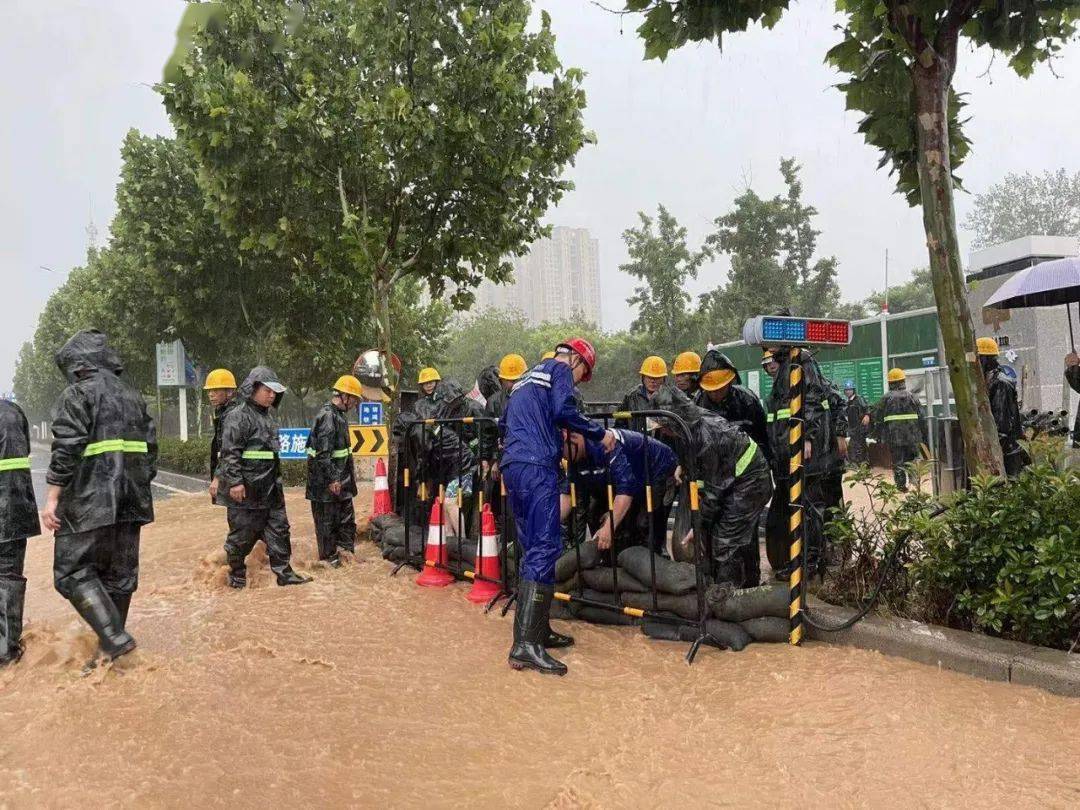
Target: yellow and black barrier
x=796, y=478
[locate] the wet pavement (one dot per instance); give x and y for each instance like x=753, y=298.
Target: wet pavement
x=361, y=690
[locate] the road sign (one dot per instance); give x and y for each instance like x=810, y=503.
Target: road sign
x=371, y=413
x=293, y=443
x=368, y=440
x=171, y=364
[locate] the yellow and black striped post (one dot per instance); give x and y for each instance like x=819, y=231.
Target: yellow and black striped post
x=796, y=476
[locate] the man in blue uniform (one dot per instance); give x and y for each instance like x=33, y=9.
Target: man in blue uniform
x=540, y=405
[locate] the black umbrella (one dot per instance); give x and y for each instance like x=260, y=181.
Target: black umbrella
x=1043, y=285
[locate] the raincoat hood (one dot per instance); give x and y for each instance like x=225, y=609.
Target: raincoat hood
x=488, y=382
x=87, y=351
x=452, y=403
x=669, y=398
x=715, y=361
x=266, y=376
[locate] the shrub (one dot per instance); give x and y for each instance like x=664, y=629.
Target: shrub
x=1003, y=558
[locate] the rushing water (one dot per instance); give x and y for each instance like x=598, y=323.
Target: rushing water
x=362, y=690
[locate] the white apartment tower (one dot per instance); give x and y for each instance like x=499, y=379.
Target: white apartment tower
x=558, y=279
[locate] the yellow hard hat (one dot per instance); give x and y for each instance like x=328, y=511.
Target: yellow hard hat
x=219, y=378
x=348, y=384
x=896, y=375
x=767, y=356
x=547, y=355
x=429, y=374
x=987, y=346
x=716, y=379
x=687, y=363
x=653, y=366
x=511, y=367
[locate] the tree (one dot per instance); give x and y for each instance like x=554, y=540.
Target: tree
x=370, y=142
x=771, y=244
x=1025, y=205
x=914, y=294
x=900, y=58
x=663, y=261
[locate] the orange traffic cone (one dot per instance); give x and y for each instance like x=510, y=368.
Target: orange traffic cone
x=435, y=553
x=381, y=505
x=487, y=561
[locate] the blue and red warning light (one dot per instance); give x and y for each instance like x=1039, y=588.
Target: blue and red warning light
x=774, y=330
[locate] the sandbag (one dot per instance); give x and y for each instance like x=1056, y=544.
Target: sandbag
x=685, y=606
x=466, y=553
x=747, y=603
x=600, y=616
x=601, y=579
x=730, y=635
x=390, y=536
x=567, y=565
x=671, y=577
x=768, y=629
x=383, y=522
x=571, y=585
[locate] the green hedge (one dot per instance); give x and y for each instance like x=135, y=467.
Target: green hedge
x=193, y=458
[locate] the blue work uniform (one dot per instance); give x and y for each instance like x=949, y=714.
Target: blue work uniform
x=540, y=405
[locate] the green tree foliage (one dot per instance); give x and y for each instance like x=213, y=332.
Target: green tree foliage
x=1025, y=205
x=368, y=142
x=899, y=58
x=914, y=294
x=661, y=259
x=771, y=244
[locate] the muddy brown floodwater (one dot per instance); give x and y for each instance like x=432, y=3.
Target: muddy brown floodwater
x=362, y=690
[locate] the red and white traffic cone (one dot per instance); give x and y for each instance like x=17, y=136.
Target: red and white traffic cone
x=381, y=505
x=487, y=561
x=435, y=553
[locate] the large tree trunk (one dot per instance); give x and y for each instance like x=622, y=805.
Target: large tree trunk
x=981, y=446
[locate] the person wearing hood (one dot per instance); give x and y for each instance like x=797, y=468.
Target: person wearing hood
x=331, y=480
x=653, y=373
x=857, y=412
x=542, y=403
x=428, y=382
x=220, y=387
x=902, y=425
x=18, y=521
x=687, y=370
x=734, y=483
x=723, y=393
x=1004, y=405
x=104, y=456
x=821, y=444
x=250, y=473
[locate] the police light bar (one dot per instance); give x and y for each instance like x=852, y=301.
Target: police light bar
x=774, y=330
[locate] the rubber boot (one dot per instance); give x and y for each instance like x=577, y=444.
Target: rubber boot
x=554, y=641
x=123, y=605
x=531, y=630
x=12, y=596
x=92, y=602
x=237, y=572
x=290, y=577
x=279, y=550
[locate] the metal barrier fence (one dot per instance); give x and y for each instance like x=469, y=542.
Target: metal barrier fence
x=433, y=483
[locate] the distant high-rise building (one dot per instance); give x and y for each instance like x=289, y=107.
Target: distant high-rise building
x=558, y=279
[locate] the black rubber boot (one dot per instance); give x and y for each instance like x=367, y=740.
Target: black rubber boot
x=555, y=640
x=123, y=604
x=92, y=602
x=12, y=596
x=531, y=630
x=237, y=572
x=290, y=577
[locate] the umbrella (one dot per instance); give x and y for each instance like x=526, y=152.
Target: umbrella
x=1042, y=285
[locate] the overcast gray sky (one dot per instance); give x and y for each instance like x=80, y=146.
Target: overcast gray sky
x=688, y=133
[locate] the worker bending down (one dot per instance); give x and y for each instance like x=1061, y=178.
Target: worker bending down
x=540, y=404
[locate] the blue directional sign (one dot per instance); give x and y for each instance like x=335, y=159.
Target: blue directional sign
x=293, y=443
x=371, y=413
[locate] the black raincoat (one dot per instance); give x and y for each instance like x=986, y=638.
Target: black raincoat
x=453, y=444
x=636, y=399
x=217, y=419
x=104, y=450
x=818, y=424
x=425, y=406
x=734, y=482
x=741, y=407
x=900, y=421
x=1072, y=376
x=18, y=508
x=249, y=449
x=855, y=409
x=1005, y=406
x=488, y=383
x=329, y=456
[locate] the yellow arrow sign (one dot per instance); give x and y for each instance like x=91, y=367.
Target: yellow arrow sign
x=368, y=440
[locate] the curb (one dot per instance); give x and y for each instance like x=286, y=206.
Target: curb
x=986, y=657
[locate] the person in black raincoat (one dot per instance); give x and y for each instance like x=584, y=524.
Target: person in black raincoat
x=220, y=387
x=1072, y=376
x=104, y=456
x=250, y=473
x=428, y=382
x=1005, y=406
x=901, y=424
x=18, y=521
x=857, y=412
x=510, y=369
x=838, y=425
x=653, y=373
x=452, y=454
x=735, y=485
x=331, y=480
x=819, y=460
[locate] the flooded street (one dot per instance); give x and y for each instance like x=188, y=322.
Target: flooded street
x=364, y=690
